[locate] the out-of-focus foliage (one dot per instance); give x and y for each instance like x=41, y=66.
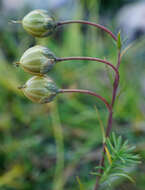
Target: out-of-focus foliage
x=48, y=146
x=112, y=6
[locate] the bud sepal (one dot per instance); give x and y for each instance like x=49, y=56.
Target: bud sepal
x=38, y=23
x=37, y=60
x=40, y=89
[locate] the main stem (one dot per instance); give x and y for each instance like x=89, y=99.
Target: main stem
x=89, y=23
x=109, y=124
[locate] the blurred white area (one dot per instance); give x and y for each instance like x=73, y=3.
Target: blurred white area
x=64, y=9
x=17, y=4
x=131, y=20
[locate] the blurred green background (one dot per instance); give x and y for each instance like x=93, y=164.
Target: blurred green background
x=48, y=146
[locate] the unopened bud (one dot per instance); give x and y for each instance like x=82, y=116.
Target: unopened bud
x=37, y=60
x=38, y=23
x=40, y=89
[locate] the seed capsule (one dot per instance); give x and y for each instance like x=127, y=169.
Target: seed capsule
x=40, y=89
x=38, y=23
x=37, y=60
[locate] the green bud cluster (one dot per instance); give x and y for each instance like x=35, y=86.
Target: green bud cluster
x=38, y=60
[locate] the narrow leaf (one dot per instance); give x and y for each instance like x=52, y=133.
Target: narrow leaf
x=108, y=155
x=124, y=175
x=95, y=173
x=101, y=125
x=81, y=186
x=119, y=42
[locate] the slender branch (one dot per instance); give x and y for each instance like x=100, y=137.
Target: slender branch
x=90, y=59
x=89, y=23
x=119, y=59
x=116, y=81
x=115, y=87
x=86, y=92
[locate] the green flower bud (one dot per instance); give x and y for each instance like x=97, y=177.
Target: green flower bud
x=40, y=89
x=37, y=60
x=38, y=23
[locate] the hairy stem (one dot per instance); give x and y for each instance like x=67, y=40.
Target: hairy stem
x=90, y=59
x=109, y=124
x=89, y=23
x=86, y=92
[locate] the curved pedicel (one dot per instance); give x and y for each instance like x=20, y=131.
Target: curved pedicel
x=90, y=59
x=88, y=23
x=86, y=92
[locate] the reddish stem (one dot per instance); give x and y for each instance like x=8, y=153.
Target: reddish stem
x=89, y=23
x=87, y=92
x=90, y=59
x=119, y=59
x=109, y=124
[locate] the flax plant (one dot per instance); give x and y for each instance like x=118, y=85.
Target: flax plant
x=117, y=155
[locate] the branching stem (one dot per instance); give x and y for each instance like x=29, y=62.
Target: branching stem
x=115, y=84
x=109, y=106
